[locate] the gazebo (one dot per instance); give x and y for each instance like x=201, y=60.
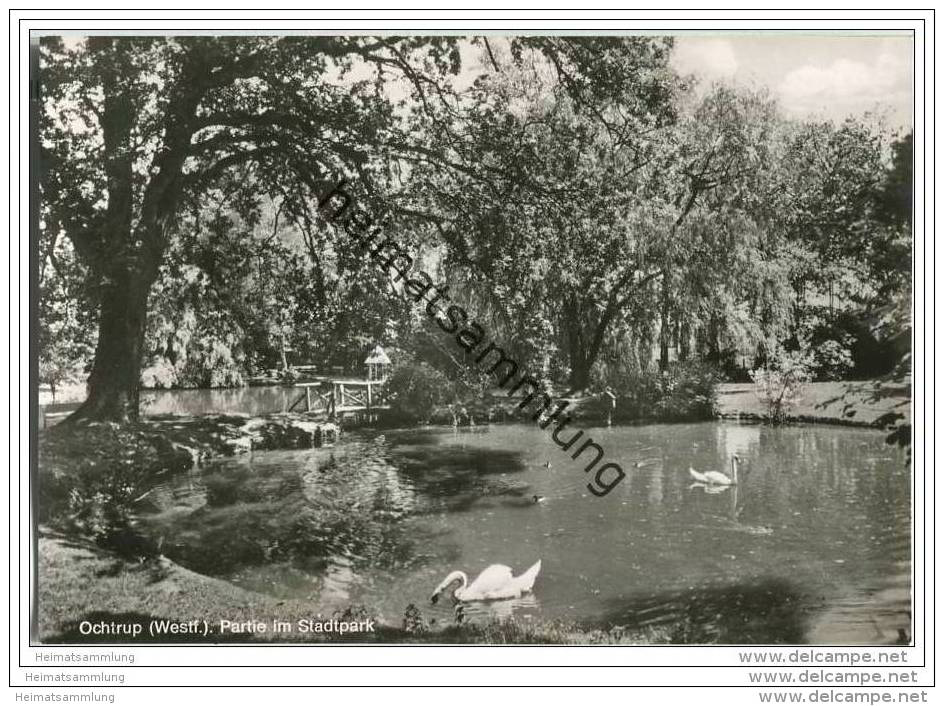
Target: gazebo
x=378, y=364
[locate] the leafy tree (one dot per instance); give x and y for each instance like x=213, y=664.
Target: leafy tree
x=577, y=197
x=136, y=128
x=536, y=147
x=890, y=251
x=65, y=330
x=894, y=200
x=595, y=212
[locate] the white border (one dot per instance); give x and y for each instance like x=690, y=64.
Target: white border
x=584, y=662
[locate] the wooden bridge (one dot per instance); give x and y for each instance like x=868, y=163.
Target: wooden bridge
x=333, y=398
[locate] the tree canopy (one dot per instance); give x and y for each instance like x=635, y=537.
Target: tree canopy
x=593, y=207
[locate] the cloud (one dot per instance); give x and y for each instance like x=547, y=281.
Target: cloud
x=848, y=85
x=710, y=58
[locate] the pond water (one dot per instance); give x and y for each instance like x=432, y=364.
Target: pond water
x=812, y=546
x=255, y=400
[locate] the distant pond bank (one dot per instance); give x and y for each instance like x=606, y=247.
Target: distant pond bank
x=857, y=403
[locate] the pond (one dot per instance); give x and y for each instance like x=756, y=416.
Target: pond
x=254, y=400
x=813, y=545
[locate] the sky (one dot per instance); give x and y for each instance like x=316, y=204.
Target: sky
x=812, y=75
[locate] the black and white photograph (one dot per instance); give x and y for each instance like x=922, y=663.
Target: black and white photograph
x=473, y=338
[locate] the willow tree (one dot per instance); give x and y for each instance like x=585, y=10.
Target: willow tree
x=135, y=128
x=553, y=145
x=607, y=190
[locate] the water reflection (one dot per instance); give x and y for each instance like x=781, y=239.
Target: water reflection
x=242, y=400
x=768, y=611
x=812, y=545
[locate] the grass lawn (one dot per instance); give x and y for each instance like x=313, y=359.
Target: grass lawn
x=837, y=402
x=79, y=581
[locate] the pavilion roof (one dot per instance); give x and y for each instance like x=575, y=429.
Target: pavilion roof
x=377, y=357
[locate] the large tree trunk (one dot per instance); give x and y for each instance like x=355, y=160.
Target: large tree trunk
x=664, y=332
x=131, y=241
x=585, y=340
x=579, y=371
x=684, y=339
x=585, y=345
x=578, y=356
x=114, y=382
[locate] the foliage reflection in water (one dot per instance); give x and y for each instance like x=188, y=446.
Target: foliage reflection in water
x=813, y=545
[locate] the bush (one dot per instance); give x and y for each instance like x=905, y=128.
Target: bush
x=92, y=478
x=103, y=509
x=415, y=390
x=687, y=391
x=830, y=341
x=832, y=359
x=844, y=345
x=780, y=384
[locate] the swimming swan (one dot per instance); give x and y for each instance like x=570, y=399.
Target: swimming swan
x=716, y=477
x=495, y=583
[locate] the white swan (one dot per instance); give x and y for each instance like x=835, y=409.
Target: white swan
x=697, y=477
x=716, y=477
x=495, y=583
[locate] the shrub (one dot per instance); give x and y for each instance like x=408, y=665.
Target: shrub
x=687, y=391
x=104, y=510
x=413, y=622
x=843, y=345
x=780, y=384
x=91, y=479
x=415, y=390
x=101, y=506
x=832, y=359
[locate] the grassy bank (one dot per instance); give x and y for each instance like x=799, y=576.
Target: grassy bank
x=79, y=581
x=857, y=403
x=861, y=403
